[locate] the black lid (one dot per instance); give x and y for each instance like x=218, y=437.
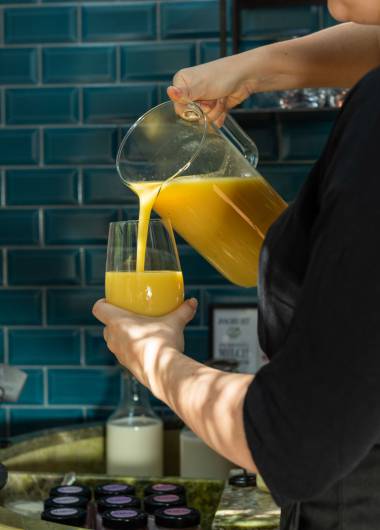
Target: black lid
x=244, y=480
x=114, y=488
x=125, y=519
x=74, y=489
x=68, y=516
x=156, y=502
x=161, y=488
x=118, y=502
x=65, y=501
x=177, y=517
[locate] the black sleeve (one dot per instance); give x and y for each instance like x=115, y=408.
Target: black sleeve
x=313, y=413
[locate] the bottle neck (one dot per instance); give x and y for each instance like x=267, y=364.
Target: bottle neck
x=134, y=399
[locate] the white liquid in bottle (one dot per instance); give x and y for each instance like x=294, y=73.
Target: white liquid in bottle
x=135, y=447
x=198, y=460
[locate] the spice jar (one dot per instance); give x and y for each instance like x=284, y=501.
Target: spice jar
x=179, y=517
x=124, y=520
x=65, y=516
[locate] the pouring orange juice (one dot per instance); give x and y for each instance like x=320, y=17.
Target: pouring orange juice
x=215, y=199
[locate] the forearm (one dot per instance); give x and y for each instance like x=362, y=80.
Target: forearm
x=338, y=56
x=209, y=401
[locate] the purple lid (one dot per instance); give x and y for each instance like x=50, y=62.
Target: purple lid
x=122, y=501
x=106, y=490
x=72, y=500
x=125, y=519
x=68, y=516
x=178, y=517
x=75, y=489
x=161, y=488
x=155, y=502
x=63, y=511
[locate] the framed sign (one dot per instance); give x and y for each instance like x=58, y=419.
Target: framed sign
x=233, y=336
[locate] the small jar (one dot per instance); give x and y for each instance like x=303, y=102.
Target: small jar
x=113, y=489
x=164, y=488
x=179, y=517
x=116, y=502
x=125, y=520
x=71, y=501
x=157, y=502
x=76, y=489
x=66, y=516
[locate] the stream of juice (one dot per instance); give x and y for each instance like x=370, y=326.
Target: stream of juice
x=224, y=218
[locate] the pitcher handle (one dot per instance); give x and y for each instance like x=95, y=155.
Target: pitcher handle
x=232, y=130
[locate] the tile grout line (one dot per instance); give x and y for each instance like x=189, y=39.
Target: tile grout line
x=82, y=266
x=3, y=108
x=82, y=347
x=158, y=21
x=2, y=26
x=3, y=188
x=79, y=23
x=5, y=267
x=118, y=64
x=42, y=147
x=41, y=227
x=44, y=322
x=39, y=66
x=80, y=187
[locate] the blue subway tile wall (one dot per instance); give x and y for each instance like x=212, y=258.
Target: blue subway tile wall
x=74, y=76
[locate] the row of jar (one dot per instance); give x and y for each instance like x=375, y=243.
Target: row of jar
x=115, y=506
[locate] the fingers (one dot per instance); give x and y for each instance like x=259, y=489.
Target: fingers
x=185, y=312
x=107, y=312
x=217, y=110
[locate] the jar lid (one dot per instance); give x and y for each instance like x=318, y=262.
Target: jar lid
x=163, y=488
x=178, y=517
x=75, y=489
x=66, y=500
x=118, y=501
x=114, y=488
x=125, y=519
x=155, y=502
x=68, y=516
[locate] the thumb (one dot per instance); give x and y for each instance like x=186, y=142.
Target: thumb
x=185, y=312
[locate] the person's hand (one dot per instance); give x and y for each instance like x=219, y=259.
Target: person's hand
x=216, y=86
x=137, y=341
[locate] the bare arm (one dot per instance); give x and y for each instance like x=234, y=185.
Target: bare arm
x=338, y=56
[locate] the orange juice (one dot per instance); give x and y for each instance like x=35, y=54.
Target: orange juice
x=224, y=218
x=150, y=293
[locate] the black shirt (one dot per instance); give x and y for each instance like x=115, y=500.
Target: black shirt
x=313, y=413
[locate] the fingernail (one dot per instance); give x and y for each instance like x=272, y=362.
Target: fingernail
x=194, y=303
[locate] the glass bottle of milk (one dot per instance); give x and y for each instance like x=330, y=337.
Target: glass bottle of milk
x=134, y=434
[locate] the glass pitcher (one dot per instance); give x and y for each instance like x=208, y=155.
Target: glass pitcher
x=204, y=180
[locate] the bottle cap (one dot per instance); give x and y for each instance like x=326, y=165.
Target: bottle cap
x=125, y=519
x=71, y=501
x=156, y=502
x=178, y=517
x=243, y=480
x=75, y=489
x=118, y=502
x=164, y=488
x=68, y=516
x=113, y=489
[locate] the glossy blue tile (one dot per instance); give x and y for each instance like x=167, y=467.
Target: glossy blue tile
x=18, y=1
x=44, y=267
x=19, y=147
x=41, y=186
x=99, y=414
x=44, y=346
x=328, y=20
x=96, y=351
x=110, y=104
x=197, y=270
x=286, y=179
x=196, y=19
x=227, y=295
x=263, y=131
x=72, y=306
x=287, y=21
x=304, y=140
x=20, y=307
x=84, y=64
x=40, y=25
x=19, y=227
x=196, y=343
x=41, y=105
x=80, y=146
x=23, y=421
x=18, y=66
x=210, y=49
x=155, y=61
x=84, y=386
x=95, y=266
x=33, y=391
x=119, y=22
x=78, y=226
x=104, y=186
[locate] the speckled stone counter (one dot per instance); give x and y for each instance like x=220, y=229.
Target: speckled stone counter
x=244, y=508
